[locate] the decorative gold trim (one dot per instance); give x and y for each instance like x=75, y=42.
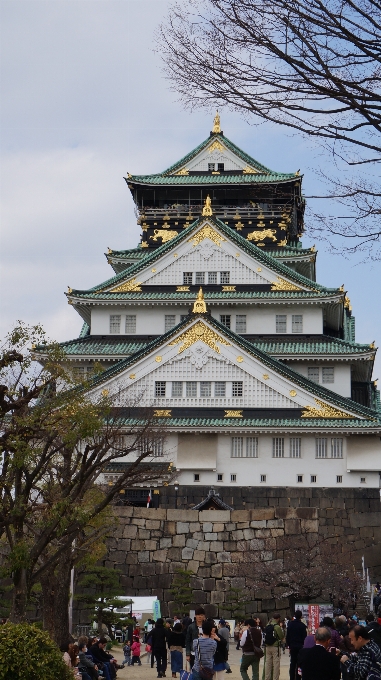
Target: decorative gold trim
x=227, y=289
x=207, y=232
x=347, y=303
x=233, y=414
x=372, y=345
x=341, y=289
x=128, y=286
x=153, y=271
x=175, y=255
x=132, y=376
x=239, y=226
x=199, y=331
x=144, y=244
x=69, y=290
x=158, y=359
x=199, y=306
x=182, y=289
x=162, y=413
x=265, y=376
x=325, y=411
x=216, y=124
x=282, y=243
x=216, y=146
x=260, y=235
x=105, y=393
x=259, y=269
x=164, y=235
x=282, y=284
x=109, y=251
x=293, y=393
x=249, y=171
x=183, y=172
x=240, y=359
x=207, y=209
x=238, y=254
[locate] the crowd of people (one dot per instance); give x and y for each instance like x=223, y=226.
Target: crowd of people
x=339, y=649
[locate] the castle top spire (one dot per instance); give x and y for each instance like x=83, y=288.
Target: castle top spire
x=216, y=123
x=207, y=209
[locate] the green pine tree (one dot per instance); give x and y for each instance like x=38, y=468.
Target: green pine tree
x=103, y=596
x=181, y=591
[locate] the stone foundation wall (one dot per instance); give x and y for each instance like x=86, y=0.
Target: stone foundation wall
x=150, y=544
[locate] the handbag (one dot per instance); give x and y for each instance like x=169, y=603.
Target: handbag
x=186, y=675
x=258, y=651
x=204, y=672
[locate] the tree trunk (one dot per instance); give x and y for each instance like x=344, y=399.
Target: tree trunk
x=61, y=602
x=20, y=596
x=49, y=587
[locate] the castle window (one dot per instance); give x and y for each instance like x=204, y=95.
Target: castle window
x=225, y=319
x=160, y=388
x=336, y=447
x=221, y=167
x=212, y=278
x=130, y=323
x=224, y=277
x=158, y=448
x=313, y=479
x=313, y=373
x=211, y=167
x=233, y=478
x=281, y=323
x=169, y=322
x=205, y=389
x=299, y=479
x=177, y=389
x=187, y=278
x=339, y=479
x=295, y=447
x=79, y=372
x=263, y=478
x=219, y=389
x=196, y=477
x=328, y=375
x=237, y=447
x=251, y=447
x=200, y=278
x=278, y=447
x=321, y=447
x=297, y=323
x=115, y=323
x=362, y=480
x=237, y=389
x=220, y=478
x=191, y=389
x=240, y=323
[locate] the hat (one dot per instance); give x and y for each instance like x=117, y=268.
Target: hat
x=222, y=622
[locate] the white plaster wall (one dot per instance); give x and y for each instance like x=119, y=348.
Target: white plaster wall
x=342, y=375
x=260, y=319
x=281, y=471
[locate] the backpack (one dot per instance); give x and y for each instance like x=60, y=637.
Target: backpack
x=270, y=635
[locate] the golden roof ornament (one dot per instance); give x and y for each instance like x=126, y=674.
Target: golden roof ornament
x=199, y=306
x=216, y=124
x=207, y=209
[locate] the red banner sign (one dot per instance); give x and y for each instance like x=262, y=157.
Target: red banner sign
x=313, y=617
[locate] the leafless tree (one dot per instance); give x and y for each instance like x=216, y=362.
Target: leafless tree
x=312, y=66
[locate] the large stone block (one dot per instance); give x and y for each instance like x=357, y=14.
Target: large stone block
x=365, y=519
x=209, y=584
x=306, y=513
x=216, y=570
x=207, y=527
x=118, y=556
x=215, y=516
x=150, y=513
x=216, y=597
x=174, y=554
x=182, y=527
x=285, y=513
x=187, y=553
x=217, y=546
x=193, y=565
x=178, y=541
x=223, y=557
x=194, y=526
x=203, y=545
x=192, y=543
x=199, y=555
x=210, y=536
x=240, y=515
x=130, y=531
x=148, y=570
x=309, y=526
x=259, y=523
x=124, y=544
x=248, y=534
x=123, y=511
x=292, y=526
x=222, y=585
x=165, y=543
x=211, y=557
x=229, y=569
x=199, y=597
x=153, y=524
x=238, y=582
x=159, y=555
x=211, y=611
x=259, y=514
x=218, y=526
x=196, y=583
x=143, y=556
x=169, y=528
x=150, y=545
x=182, y=515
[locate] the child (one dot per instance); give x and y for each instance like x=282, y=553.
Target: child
x=135, y=651
x=148, y=652
x=127, y=653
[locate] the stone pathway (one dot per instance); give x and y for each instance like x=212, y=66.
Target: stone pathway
x=145, y=672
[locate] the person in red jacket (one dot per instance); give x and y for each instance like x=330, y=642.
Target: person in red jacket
x=135, y=652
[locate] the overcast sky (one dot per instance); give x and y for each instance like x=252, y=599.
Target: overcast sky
x=83, y=101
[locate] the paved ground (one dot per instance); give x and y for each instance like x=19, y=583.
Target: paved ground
x=144, y=672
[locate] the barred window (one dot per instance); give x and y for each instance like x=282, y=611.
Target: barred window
x=225, y=320
x=339, y=479
x=205, y=388
x=278, y=447
x=177, y=389
x=211, y=167
x=336, y=447
x=224, y=277
x=263, y=478
x=191, y=389
x=160, y=388
x=130, y=323
x=220, y=478
x=297, y=323
x=212, y=278
x=328, y=374
x=240, y=323
x=187, y=278
x=281, y=323
x=313, y=479
x=321, y=447
x=237, y=447
x=115, y=323
x=221, y=167
x=313, y=373
x=196, y=477
x=299, y=479
x=170, y=322
x=158, y=448
x=295, y=447
x=200, y=278
x=219, y=389
x=233, y=478
x=237, y=388
x=251, y=447
x=79, y=372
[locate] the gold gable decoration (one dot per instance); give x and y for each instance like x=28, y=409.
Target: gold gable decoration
x=282, y=284
x=207, y=232
x=199, y=306
x=216, y=146
x=207, y=209
x=131, y=286
x=324, y=411
x=184, y=172
x=200, y=331
x=249, y=171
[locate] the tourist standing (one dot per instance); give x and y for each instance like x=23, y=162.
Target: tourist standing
x=317, y=663
x=295, y=636
x=368, y=653
x=224, y=631
x=251, y=642
x=273, y=637
x=194, y=631
x=159, y=647
x=204, y=649
x=219, y=664
x=176, y=643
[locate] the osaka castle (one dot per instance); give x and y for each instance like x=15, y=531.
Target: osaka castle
x=217, y=321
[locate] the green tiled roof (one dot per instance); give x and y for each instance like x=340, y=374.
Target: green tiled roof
x=305, y=423
x=190, y=297
x=328, y=346
x=231, y=235
x=264, y=174
x=90, y=346
x=132, y=253
x=286, y=251
x=279, y=367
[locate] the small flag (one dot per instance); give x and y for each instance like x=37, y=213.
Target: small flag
x=149, y=499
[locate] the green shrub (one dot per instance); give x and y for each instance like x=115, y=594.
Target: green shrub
x=27, y=653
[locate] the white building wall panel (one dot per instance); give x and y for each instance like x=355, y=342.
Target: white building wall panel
x=342, y=375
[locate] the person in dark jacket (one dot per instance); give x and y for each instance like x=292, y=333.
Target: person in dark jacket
x=251, y=637
x=194, y=631
x=85, y=664
x=176, y=643
x=374, y=629
x=159, y=638
x=295, y=636
x=317, y=663
x=219, y=665
x=99, y=654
